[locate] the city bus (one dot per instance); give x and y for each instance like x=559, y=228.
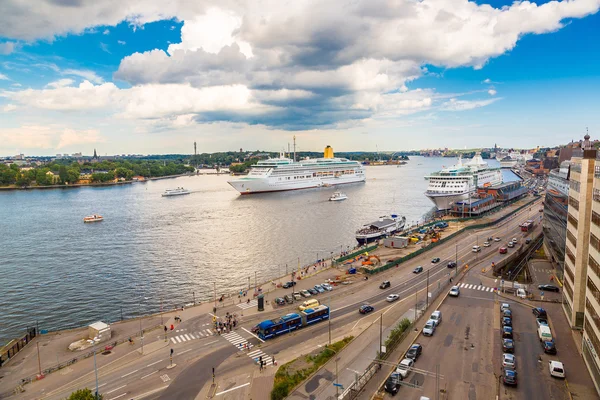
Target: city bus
x=274, y=327
x=528, y=225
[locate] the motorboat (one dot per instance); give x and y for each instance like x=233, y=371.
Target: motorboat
x=175, y=192
x=93, y=218
x=384, y=226
x=338, y=196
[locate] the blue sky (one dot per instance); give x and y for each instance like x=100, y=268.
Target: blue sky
x=390, y=75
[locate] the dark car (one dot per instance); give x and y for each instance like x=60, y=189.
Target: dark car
x=313, y=291
x=289, y=284
x=451, y=264
x=254, y=329
x=549, y=347
x=385, y=285
x=417, y=270
x=507, y=332
x=527, y=241
x=549, y=288
x=506, y=321
x=507, y=313
x=539, y=312
x=414, y=352
x=392, y=384
x=508, y=346
x=435, y=260
x=509, y=377
x=280, y=301
x=365, y=309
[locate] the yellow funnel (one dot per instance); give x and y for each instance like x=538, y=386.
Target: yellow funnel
x=328, y=153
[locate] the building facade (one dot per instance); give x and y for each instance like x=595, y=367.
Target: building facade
x=555, y=216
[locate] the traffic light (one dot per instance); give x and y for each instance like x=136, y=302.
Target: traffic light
x=171, y=351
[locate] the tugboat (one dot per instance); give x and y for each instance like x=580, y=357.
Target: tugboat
x=384, y=226
x=175, y=192
x=93, y=218
x=338, y=196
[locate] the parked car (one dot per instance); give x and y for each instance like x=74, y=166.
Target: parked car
x=437, y=317
x=418, y=270
x=305, y=293
x=435, y=260
x=313, y=291
x=504, y=306
x=451, y=264
x=502, y=250
x=454, y=291
x=506, y=321
x=541, y=210
x=297, y=296
x=405, y=366
x=539, y=312
x=327, y=287
x=514, y=240
x=429, y=328
x=319, y=288
x=507, y=313
x=509, y=361
x=280, y=301
x=541, y=321
x=486, y=244
x=385, y=285
x=392, y=297
x=365, y=309
x=509, y=377
x=549, y=288
x=414, y=352
x=557, y=369
x=392, y=384
x=549, y=346
x=289, y=284
x=507, y=332
x=288, y=298
x=508, y=346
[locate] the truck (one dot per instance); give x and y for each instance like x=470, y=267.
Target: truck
x=544, y=333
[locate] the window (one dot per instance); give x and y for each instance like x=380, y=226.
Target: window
x=572, y=220
x=596, y=195
x=576, y=167
x=569, y=290
x=596, y=218
x=593, y=290
x=590, y=309
x=576, y=186
x=571, y=238
x=594, y=266
x=573, y=203
x=595, y=242
x=568, y=268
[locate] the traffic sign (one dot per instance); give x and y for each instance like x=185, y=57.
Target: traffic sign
x=541, y=293
x=338, y=385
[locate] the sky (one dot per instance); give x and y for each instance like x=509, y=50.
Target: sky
x=153, y=77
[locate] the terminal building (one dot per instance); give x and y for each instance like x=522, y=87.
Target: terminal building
x=489, y=197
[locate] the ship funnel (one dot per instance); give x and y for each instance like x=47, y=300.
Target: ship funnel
x=328, y=153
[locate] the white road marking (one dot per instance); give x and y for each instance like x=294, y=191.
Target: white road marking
x=144, y=395
x=253, y=334
x=114, y=390
x=173, y=340
x=192, y=336
x=233, y=388
x=209, y=332
x=151, y=373
x=187, y=337
x=121, y=395
x=129, y=373
x=185, y=351
x=149, y=365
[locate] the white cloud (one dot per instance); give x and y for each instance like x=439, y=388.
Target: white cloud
x=104, y=48
x=67, y=98
x=9, y=108
x=46, y=137
x=84, y=73
x=60, y=83
x=121, y=42
x=487, y=81
x=492, y=92
x=463, y=105
x=16, y=84
x=7, y=47
x=106, y=32
x=4, y=77
x=70, y=137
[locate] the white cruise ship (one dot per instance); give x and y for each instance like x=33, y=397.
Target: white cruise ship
x=510, y=159
x=282, y=173
x=459, y=181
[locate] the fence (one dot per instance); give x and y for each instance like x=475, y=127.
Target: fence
x=16, y=345
x=356, y=253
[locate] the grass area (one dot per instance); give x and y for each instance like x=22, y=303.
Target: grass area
x=291, y=374
x=397, y=332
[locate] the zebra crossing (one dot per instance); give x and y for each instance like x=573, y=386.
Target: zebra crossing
x=243, y=306
x=476, y=287
x=191, y=336
x=238, y=341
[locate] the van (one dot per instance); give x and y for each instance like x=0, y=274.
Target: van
x=521, y=293
x=437, y=317
x=556, y=369
x=476, y=249
x=544, y=333
x=308, y=304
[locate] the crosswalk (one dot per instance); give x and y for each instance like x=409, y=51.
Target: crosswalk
x=235, y=339
x=243, y=306
x=476, y=287
x=191, y=336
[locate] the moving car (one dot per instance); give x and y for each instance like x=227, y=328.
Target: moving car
x=549, y=347
x=486, y=244
x=509, y=361
x=305, y=293
x=451, y=264
x=312, y=303
x=510, y=244
x=414, y=352
x=454, y=291
x=417, y=270
x=514, y=240
x=405, y=366
x=392, y=384
x=502, y=250
x=392, y=297
x=385, y=285
x=507, y=332
x=539, y=312
x=429, y=328
x=508, y=346
x=556, y=368
x=497, y=239
x=549, y=288
x=365, y=309
x=289, y=284
x=476, y=249
x=509, y=377
x=528, y=240
x=435, y=260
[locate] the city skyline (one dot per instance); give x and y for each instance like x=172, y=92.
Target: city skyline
x=152, y=78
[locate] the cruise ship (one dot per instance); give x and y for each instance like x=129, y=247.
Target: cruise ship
x=459, y=181
x=282, y=173
x=510, y=159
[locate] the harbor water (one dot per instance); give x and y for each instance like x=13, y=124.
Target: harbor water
x=150, y=250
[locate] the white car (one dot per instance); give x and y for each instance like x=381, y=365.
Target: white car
x=305, y=293
x=509, y=361
x=486, y=244
x=392, y=297
x=454, y=291
x=557, y=369
x=505, y=306
x=429, y=328
x=405, y=366
x=327, y=286
x=497, y=239
x=476, y=249
x=514, y=240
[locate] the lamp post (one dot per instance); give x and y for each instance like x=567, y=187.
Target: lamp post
x=96, y=395
x=337, y=388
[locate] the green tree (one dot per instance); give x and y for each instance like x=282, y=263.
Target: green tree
x=63, y=174
x=84, y=394
x=73, y=174
x=42, y=178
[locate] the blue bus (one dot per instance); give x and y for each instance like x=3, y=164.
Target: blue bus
x=289, y=322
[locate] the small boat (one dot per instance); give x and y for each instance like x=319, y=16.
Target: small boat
x=93, y=218
x=338, y=196
x=385, y=226
x=175, y=192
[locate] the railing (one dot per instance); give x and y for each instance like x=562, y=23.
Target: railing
x=536, y=245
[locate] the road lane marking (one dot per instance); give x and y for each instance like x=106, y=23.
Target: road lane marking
x=253, y=334
x=185, y=351
x=121, y=395
x=173, y=340
x=151, y=373
x=233, y=388
x=114, y=390
x=192, y=336
x=209, y=332
x=132, y=372
x=144, y=395
x=149, y=365
x=187, y=337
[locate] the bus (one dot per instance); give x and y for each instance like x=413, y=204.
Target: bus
x=528, y=225
x=274, y=327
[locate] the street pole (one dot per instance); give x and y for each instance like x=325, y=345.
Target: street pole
x=39, y=361
x=96, y=372
x=337, y=388
x=416, y=301
x=427, y=293
x=215, y=289
x=380, y=333
x=329, y=321
x=456, y=261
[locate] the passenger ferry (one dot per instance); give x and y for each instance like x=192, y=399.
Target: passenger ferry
x=459, y=181
x=93, y=218
x=282, y=173
x=380, y=228
x=175, y=192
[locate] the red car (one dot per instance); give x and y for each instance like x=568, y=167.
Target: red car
x=503, y=250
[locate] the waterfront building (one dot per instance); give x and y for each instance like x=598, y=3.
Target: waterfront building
x=554, y=224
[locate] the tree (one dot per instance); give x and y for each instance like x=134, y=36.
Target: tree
x=84, y=394
x=63, y=174
x=42, y=178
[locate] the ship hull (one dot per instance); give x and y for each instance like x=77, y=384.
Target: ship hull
x=445, y=202
x=266, y=185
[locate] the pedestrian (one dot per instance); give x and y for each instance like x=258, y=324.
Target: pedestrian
x=273, y=359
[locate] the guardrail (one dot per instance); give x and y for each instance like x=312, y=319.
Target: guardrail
x=533, y=248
